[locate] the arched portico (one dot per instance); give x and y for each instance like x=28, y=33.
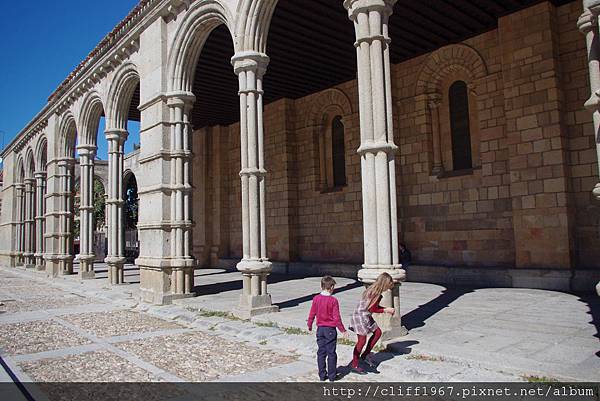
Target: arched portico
x=91, y=111
x=41, y=159
x=123, y=87
x=61, y=238
x=18, y=207
x=29, y=205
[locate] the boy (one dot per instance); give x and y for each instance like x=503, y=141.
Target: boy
x=327, y=311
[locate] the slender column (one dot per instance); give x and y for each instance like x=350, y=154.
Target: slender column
x=115, y=258
x=86, y=211
x=433, y=103
x=65, y=176
x=28, y=229
x=588, y=25
x=182, y=263
x=255, y=266
x=40, y=220
x=20, y=198
x=377, y=151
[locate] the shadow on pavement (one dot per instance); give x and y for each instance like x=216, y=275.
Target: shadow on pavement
x=418, y=316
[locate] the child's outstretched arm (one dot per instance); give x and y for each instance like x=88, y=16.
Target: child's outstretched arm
x=311, y=315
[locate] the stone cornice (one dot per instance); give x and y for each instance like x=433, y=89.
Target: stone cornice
x=25, y=138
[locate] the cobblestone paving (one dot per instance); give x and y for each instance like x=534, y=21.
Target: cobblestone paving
x=118, y=323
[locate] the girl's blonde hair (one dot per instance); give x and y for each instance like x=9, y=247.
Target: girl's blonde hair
x=383, y=283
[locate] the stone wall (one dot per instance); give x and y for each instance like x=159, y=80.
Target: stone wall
x=526, y=202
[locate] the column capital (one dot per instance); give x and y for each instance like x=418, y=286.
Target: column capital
x=116, y=134
x=586, y=21
x=434, y=100
x=29, y=181
x=180, y=98
x=356, y=7
x=65, y=161
x=87, y=150
x=19, y=186
x=250, y=61
x=39, y=174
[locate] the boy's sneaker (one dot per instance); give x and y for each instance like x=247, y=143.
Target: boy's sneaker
x=336, y=378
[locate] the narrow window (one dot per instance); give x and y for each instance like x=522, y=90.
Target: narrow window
x=459, y=126
x=338, y=152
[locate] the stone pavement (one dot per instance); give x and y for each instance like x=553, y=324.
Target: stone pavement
x=67, y=330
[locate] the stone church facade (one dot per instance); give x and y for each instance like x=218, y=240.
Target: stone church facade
x=472, y=142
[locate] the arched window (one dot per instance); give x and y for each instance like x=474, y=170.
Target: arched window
x=338, y=152
x=458, y=98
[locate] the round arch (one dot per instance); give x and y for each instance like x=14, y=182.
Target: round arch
x=200, y=20
x=67, y=136
x=29, y=163
x=446, y=61
x=252, y=25
x=19, y=170
x=121, y=91
x=92, y=109
x=41, y=153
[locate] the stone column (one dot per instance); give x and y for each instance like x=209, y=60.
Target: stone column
x=433, y=103
x=86, y=211
x=65, y=176
x=377, y=151
x=20, y=198
x=40, y=219
x=182, y=263
x=255, y=266
x=588, y=25
x=28, y=229
x=115, y=258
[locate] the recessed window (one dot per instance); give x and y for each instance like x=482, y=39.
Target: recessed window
x=458, y=97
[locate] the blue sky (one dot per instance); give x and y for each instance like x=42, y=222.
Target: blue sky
x=42, y=42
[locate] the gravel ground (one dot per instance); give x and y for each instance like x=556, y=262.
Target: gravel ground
x=119, y=323
x=97, y=366
x=201, y=357
x=38, y=336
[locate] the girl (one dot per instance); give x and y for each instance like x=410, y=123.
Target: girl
x=362, y=322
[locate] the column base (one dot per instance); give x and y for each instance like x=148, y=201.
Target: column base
x=254, y=305
x=86, y=267
x=52, y=268
x=66, y=267
x=39, y=263
x=254, y=300
x=157, y=285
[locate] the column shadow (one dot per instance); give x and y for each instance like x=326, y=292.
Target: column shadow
x=234, y=284
x=417, y=317
x=593, y=304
